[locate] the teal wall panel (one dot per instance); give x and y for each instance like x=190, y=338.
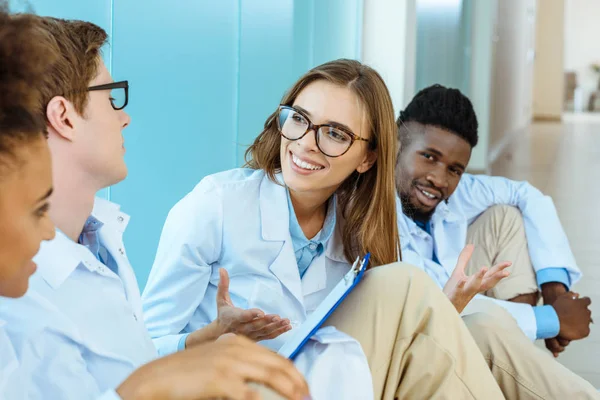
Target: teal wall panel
x=266, y=64
x=182, y=64
x=203, y=75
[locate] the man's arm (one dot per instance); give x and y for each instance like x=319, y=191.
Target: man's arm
x=549, y=247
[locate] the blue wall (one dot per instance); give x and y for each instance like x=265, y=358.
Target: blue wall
x=204, y=75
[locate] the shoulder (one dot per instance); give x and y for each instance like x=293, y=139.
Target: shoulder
x=232, y=180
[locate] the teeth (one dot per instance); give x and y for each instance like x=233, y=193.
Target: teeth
x=304, y=164
x=431, y=196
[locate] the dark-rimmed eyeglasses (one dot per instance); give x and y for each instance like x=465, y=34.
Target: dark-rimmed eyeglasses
x=119, y=93
x=333, y=141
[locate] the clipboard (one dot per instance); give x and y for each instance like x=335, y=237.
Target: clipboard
x=304, y=332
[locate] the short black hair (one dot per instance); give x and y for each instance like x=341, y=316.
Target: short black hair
x=444, y=108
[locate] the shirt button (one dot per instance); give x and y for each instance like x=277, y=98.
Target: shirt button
x=122, y=251
x=101, y=269
x=135, y=317
x=120, y=218
x=312, y=246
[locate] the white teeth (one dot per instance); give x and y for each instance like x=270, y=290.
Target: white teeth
x=304, y=164
x=431, y=196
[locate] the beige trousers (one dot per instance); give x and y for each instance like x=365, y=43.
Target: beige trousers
x=522, y=370
x=415, y=342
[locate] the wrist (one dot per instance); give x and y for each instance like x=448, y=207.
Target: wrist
x=209, y=333
x=140, y=386
x=551, y=290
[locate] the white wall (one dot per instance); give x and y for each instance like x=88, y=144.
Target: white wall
x=388, y=45
x=512, y=73
x=582, y=41
x=549, y=78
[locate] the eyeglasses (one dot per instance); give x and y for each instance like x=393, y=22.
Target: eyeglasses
x=119, y=93
x=333, y=141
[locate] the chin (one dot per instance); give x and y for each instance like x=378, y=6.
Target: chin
x=14, y=288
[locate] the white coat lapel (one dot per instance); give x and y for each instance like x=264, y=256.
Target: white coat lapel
x=275, y=226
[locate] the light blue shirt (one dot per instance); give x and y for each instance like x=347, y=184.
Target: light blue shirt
x=10, y=384
x=549, y=248
x=83, y=321
x=306, y=250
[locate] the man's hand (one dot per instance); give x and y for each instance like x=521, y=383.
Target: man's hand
x=574, y=316
x=220, y=369
x=550, y=292
x=252, y=323
x=461, y=288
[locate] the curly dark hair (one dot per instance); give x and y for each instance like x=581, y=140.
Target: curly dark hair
x=23, y=63
x=441, y=107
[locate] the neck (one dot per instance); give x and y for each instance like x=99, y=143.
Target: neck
x=310, y=210
x=73, y=198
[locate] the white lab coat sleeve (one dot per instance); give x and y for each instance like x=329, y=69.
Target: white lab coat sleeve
x=190, y=242
x=548, y=243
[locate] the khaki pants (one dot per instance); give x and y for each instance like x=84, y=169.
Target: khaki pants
x=522, y=370
x=415, y=342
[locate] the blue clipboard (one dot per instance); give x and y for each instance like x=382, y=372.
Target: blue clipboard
x=304, y=332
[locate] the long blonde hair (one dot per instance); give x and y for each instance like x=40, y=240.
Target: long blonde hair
x=366, y=201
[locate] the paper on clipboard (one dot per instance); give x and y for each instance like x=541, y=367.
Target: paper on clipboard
x=314, y=321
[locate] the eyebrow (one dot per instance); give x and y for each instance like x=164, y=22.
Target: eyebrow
x=46, y=196
x=329, y=122
x=439, y=154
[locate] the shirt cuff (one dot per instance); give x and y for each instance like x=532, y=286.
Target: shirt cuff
x=169, y=344
x=547, y=321
x=553, y=274
x=109, y=395
x=181, y=345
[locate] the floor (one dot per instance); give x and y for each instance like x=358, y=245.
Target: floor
x=563, y=161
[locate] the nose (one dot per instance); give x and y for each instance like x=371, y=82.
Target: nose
x=309, y=141
x=49, y=230
x=438, y=178
x=125, y=119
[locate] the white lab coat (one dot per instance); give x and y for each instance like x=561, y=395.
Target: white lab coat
x=239, y=220
x=548, y=244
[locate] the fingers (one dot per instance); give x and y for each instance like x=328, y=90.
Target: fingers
x=554, y=346
x=223, y=288
x=473, y=284
x=563, y=342
x=464, y=257
x=500, y=268
x=263, y=366
x=248, y=316
x=265, y=327
x=495, y=275
x=231, y=386
x=273, y=333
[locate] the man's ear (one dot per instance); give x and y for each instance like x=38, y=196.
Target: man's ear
x=367, y=162
x=60, y=113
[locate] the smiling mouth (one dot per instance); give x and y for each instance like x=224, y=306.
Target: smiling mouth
x=305, y=165
x=428, y=194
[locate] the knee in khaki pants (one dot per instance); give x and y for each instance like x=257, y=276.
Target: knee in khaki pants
x=499, y=235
